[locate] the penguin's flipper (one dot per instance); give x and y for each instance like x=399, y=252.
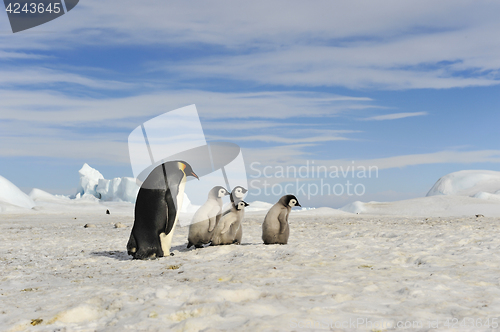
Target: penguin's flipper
x=171, y=212
x=228, y=221
x=212, y=222
x=282, y=218
x=214, y=217
x=173, y=178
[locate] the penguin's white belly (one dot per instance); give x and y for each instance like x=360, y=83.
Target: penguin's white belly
x=166, y=239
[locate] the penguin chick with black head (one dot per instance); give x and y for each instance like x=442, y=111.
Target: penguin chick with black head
x=229, y=229
x=206, y=218
x=238, y=194
x=275, y=229
x=157, y=210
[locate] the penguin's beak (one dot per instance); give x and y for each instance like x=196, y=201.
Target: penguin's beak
x=298, y=204
x=196, y=176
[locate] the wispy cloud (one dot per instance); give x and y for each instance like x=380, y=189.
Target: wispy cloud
x=394, y=116
x=19, y=55
x=56, y=107
x=73, y=126
x=42, y=77
x=299, y=156
x=440, y=157
x=335, y=66
x=281, y=139
x=231, y=125
x=90, y=148
x=387, y=45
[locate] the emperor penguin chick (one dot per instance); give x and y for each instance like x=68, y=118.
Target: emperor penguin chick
x=237, y=194
x=206, y=218
x=229, y=229
x=275, y=229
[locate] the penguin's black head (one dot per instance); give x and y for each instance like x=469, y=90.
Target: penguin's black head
x=238, y=193
x=241, y=205
x=218, y=192
x=186, y=168
x=290, y=200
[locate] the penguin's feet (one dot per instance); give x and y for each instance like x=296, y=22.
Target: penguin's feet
x=145, y=258
x=148, y=254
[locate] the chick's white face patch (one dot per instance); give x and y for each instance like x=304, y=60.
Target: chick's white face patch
x=239, y=193
x=292, y=203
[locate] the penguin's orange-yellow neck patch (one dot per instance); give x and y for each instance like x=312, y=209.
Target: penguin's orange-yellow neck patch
x=182, y=166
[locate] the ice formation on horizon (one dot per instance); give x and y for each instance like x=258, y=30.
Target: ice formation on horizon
x=11, y=194
x=93, y=184
x=41, y=195
x=89, y=179
x=468, y=183
x=458, y=193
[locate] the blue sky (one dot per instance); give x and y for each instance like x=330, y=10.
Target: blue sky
x=410, y=87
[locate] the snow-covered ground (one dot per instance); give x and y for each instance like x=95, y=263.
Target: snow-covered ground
x=335, y=268
x=425, y=263
x=438, y=206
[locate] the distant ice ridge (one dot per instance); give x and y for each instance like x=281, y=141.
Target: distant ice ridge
x=94, y=186
x=93, y=183
x=258, y=206
x=460, y=193
x=468, y=183
x=264, y=206
x=11, y=194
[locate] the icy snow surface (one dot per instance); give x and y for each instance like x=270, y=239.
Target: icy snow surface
x=424, y=260
x=337, y=266
x=439, y=206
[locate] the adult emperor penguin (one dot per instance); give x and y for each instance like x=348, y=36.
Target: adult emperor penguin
x=229, y=229
x=275, y=229
x=156, y=210
x=206, y=218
